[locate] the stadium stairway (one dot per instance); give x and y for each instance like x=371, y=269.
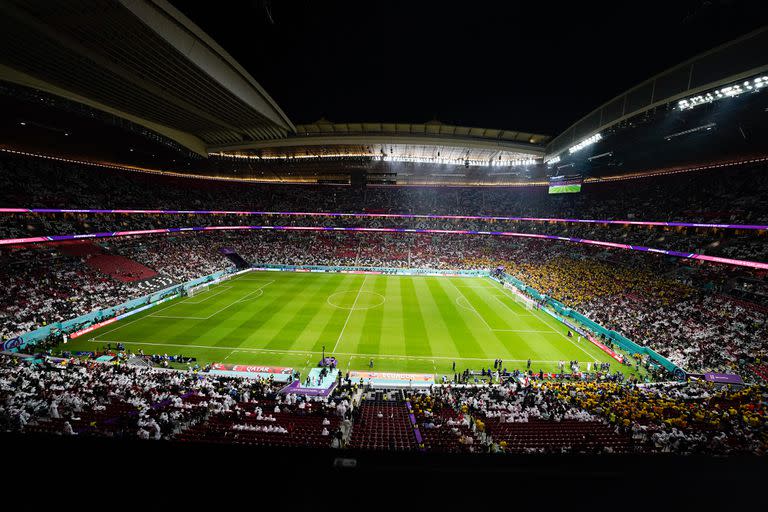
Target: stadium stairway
x=119, y=268
x=235, y=258
x=383, y=424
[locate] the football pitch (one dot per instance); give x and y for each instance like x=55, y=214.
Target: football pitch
x=419, y=324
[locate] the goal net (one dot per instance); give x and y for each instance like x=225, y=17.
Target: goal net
x=521, y=298
x=203, y=287
x=195, y=290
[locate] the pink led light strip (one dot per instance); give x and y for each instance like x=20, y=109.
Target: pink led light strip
x=393, y=216
x=701, y=257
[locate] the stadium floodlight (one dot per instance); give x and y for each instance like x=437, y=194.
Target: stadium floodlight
x=553, y=160
x=601, y=155
x=729, y=91
x=586, y=142
x=513, y=163
x=704, y=127
x=513, y=159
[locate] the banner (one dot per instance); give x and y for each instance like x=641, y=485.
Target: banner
x=277, y=373
x=386, y=379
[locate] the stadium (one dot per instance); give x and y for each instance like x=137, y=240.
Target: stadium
x=186, y=267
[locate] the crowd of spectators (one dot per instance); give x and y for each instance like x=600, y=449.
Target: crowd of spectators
x=79, y=397
x=75, y=397
x=43, y=286
x=736, y=196
x=687, y=418
x=739, y=244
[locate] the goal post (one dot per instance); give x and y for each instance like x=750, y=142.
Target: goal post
x=521, y=298
x=203, y=287
x=194, y=290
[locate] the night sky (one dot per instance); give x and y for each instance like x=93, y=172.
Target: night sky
x=535, y=66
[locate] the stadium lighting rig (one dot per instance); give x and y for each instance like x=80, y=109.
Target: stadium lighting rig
x=549, y=162
x=512, y=163
x=729, y=91
x=586, y=142
x=459, y=161
x=704, y=127
x=397, y=158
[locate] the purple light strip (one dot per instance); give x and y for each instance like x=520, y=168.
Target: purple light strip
x=694, y=256
x=393, y=216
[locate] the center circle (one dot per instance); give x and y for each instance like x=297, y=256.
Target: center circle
x=355, y=300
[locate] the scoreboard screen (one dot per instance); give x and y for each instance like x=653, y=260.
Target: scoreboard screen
x=565, y=184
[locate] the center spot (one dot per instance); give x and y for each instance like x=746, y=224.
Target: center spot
x=355, y=300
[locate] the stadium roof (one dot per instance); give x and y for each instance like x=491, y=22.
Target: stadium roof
x=146, y=62
x=431, y=142
x=431, y=128
x=728, y=63
x=141, y=60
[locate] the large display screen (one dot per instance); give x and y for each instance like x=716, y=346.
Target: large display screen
x=565, y=185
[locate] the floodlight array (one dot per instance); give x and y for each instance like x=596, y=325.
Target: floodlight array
x=586, y=142
x=729, y=91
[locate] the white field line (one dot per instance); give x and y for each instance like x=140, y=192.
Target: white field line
x=172, y=304
x=508, y=306
x=592, y=357
x=209, y=295
x=470, y=307
x=259, y=290
x=349, y=315
x=289, y=352
x=328, y=301
x=247, y=279
x=121, y=325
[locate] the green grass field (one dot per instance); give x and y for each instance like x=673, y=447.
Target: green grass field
x=405, y=323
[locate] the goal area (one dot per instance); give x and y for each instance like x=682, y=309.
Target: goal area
x=204, y=287
x=521, y=298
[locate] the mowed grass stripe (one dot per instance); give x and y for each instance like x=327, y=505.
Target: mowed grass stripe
x=458, y=337
x=244, y=322
x=392, y=330
x=419, y=318
x=331, y=330
x=326, y=322
x=506, y=342
x=234, y=307
x=490, y=342
x=414, y=331
x=188, y=330
x=487, y=307
x=301, y=314
x=369, y=341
